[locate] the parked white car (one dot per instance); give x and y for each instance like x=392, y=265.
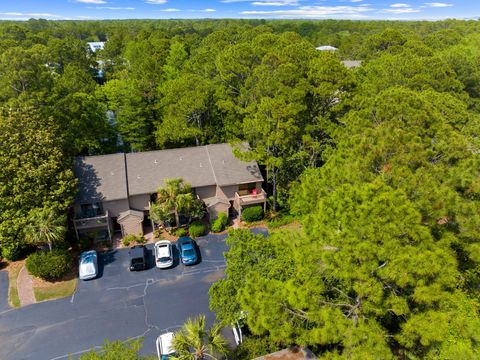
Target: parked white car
x=88, y=265
x=163, y=254
x=164, y=346
x=240, y=328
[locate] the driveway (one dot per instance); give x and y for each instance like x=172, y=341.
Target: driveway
x=118, y=305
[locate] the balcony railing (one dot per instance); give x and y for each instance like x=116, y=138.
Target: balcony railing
x=92, y=222
x=248, y=199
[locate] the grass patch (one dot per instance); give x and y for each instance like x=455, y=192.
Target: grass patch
x=280, y=221
x=292, y=228
x=54, y=290
x=13, y=270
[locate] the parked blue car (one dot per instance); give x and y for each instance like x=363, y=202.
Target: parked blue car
x=188, y=251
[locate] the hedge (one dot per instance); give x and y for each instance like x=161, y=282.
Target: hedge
x=197, y=229
x=133, y=239
x=180, y=232
x=253, y=213
x=280, y=221
x=49, y=265
x=220, y=223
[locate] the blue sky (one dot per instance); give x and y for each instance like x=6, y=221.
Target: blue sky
x=283, y=9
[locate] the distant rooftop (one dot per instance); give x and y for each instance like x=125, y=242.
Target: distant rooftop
x=292, y=353
x=349, y=64
x=326, y=48
x=96, y=45
x=104, y=177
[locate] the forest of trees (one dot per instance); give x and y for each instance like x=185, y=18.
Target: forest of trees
x=381, y=164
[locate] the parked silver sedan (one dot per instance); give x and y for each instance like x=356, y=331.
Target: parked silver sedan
x=163, y=254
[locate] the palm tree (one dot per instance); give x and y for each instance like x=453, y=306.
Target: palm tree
x=45, y=226
x=176, y=197
x=193, y=342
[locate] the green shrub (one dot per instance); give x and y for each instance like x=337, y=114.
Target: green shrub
x=132, y=239
x=127, y=240
x=12, y=251
x=253, y=347
x=220, y=223
x=180, y=232
x=280, y=221
x=157, y=233
x=84, y=243
x=197, y=229
x=49, y=265
x=253, y=213
x=107, y=244
x=141, y=239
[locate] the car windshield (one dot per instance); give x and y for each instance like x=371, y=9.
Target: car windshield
x=188, y=252
x=88, y=259
x=165, y=259
x=137, y=261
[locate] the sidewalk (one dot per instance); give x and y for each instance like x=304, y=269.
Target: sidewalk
x=25, y=287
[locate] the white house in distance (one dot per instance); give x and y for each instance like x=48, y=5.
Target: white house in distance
x=96, y=45
x=115, y=191
x=326, y=48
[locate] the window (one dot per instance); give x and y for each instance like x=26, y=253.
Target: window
x=249, y=186
x=246, y=189
x=91, y=210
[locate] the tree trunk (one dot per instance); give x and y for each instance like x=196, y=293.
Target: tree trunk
x=274, y=190
x=50, y=246
x=177, y=219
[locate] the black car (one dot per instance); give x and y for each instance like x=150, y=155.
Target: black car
x=138, y=258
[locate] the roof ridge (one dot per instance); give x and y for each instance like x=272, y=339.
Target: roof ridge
x=211, y=165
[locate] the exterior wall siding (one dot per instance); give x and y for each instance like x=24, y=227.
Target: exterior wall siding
x=115, y=207
x=139, y=202
x=215, y=210
x=227, y=192
x=205, y=192
x=131, y=225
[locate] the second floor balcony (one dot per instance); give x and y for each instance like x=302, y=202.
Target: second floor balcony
x=86, y=221
x=246, y=197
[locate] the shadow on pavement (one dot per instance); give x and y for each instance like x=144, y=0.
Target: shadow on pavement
x=105, y=258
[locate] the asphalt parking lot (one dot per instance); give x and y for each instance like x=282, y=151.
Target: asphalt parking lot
x=3, y=291
x=119, y=304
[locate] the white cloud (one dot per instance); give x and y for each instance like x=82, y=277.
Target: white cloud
x=400, y=5
x=438, y=4
x=91, y=1
x=170, y=10
x=276, y=3
x=268, y=2
x=401, y=11
x=110, y=8
x=15, y=15
x=352, y=12
x=202, y=10
x=156, y=2
x=356, y=1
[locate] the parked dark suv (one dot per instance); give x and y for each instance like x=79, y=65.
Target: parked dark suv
x=138, y=258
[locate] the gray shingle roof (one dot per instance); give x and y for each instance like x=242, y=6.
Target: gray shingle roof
x=230, y=170
x=146, y=170
x=100, y=178
x=103, y=177
x=124, y=214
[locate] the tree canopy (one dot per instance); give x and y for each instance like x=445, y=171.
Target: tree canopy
x=379, y=163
